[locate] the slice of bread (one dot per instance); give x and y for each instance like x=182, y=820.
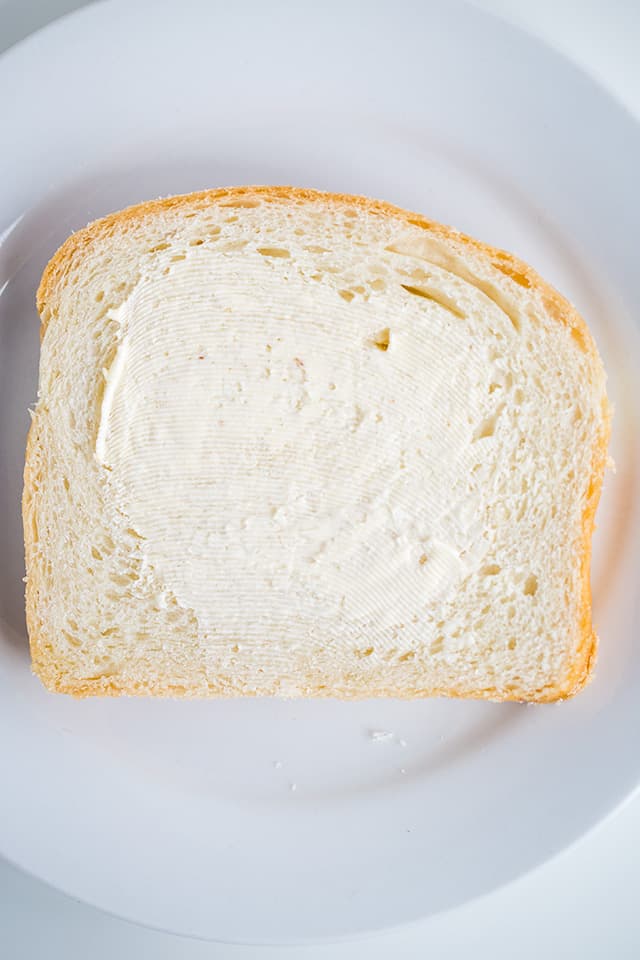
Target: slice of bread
x=300, y=444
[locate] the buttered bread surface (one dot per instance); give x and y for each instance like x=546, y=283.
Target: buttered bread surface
x=298, y=444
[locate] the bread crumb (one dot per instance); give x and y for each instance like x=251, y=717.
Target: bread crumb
x=379, y=736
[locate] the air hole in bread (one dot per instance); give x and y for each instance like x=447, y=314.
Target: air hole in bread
x=520, y=278
x=435, y=297
x=177, y=257
x=530, y=585
x=99, y=296
x=437, y=257
x=512, y=644
x=240, y=202
x=95, y=553
x=65, y=483
x=579, y=337
x=488, y=426
x=235, y=245
x=102, y=675
x=490, y=570
x=313, y=248
x=437, y=645
x=364, y=653
x=423, y=224
x=158, y=247
x=71, y=639
x=409, y=655
x=196, y=243
x=274, y=252
x=382, y=339
x=347, y=295
x=378, y=285
x=121, y=579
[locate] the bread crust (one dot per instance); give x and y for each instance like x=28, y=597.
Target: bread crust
x=44, y=665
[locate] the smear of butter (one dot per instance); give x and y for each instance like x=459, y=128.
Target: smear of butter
x=112, y=376
x=286, y=475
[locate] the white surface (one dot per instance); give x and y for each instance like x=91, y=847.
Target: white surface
x=613, y=919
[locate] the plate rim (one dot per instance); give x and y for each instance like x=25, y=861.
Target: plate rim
x=88, y=12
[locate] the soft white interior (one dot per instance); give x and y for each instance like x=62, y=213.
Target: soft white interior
x=302, y=448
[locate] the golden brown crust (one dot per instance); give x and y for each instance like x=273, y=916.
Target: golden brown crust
x=579, y=670
x=41, y=664
x=56, y=682
x=76, y=244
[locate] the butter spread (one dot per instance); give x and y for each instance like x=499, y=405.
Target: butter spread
x=283, y=469
x=111, y=376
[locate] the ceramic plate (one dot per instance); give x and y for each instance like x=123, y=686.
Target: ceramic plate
x=271, y=821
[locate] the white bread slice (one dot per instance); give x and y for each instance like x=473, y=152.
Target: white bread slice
x=301, y=444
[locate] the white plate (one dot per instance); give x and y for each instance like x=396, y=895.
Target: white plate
x=183, y=815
